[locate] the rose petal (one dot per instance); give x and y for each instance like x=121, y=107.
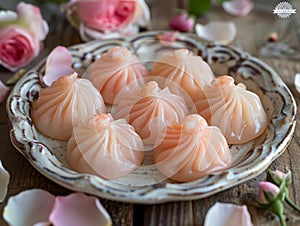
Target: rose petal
x=78, y=209
x=7, y=15
x=28, y=208
x=4, y=179
x=297, y=82
x=168, y=37
x=31, y=15
x=218, y=31
x=226, y=214
x=58, y=64
x=3, y=91
x=238, y=7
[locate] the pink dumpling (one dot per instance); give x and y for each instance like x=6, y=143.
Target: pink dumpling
x=238, y=112
x=63, y=104
x=191, y=150
x=114, y=71
x=181, y=66
x=105, y=147
x=150, y=110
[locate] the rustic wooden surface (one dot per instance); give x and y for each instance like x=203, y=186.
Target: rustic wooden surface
x=252, y=31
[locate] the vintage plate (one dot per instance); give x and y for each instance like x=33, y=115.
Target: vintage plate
x=143, y=186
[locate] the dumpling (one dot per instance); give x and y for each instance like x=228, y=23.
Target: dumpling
x=150, y=109
x=105, y=147
x=238, y=112
x=63, y=104
x=114, y=71
x=191, y=150
x=184, y=68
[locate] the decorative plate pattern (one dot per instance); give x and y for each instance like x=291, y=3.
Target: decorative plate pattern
x=249, y=160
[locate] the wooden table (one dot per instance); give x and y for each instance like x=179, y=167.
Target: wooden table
x=252, y=31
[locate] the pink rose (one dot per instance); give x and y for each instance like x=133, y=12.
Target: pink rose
x=101, y=19
x=21, y=34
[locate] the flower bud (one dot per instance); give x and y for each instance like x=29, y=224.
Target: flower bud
x=278, y=177
x=182, y=22
x=267, y=192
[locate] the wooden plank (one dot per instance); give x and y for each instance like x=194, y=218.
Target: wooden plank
x=173, y=213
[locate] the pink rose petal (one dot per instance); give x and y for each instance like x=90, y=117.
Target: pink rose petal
x=167, y=37
x=28, y=208
x=238, y=7
x=226, y=214
x=78, y=209
x=218, y=31
x=58, y=64
x=4, y=180
x=3, y=91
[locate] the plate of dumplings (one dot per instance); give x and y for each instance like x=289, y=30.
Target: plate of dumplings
x=146, y=120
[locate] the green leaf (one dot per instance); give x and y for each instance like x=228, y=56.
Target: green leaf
x=198, y=7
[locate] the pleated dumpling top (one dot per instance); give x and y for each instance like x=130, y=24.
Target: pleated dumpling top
x=181, y=66
x=105, y=147
x=150, y=109
x=191, y=150
x=238, y=112
x=63, y=104
x=114, y=71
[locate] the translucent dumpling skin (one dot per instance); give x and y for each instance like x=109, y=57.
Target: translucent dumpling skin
x=184, y=68
x=114, y=71
x=105, y=147
x=150, y=109
x=238, y=112
x=63, y=104
x=191, y=150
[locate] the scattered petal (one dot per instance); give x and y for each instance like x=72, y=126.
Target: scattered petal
x=28, y=208
x=78, y=209
x=218, y=31
x=226, y=214
x=3, y=91
x=238, y=7
x=167, y=37
x=7, y=15
x=297, y=82
x=58, y=64
x=4, y=180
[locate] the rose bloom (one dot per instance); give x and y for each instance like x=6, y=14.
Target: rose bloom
x=21, y=34
x=100, y=19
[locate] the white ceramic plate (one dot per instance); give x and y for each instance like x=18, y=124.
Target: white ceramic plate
x=249, y=160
